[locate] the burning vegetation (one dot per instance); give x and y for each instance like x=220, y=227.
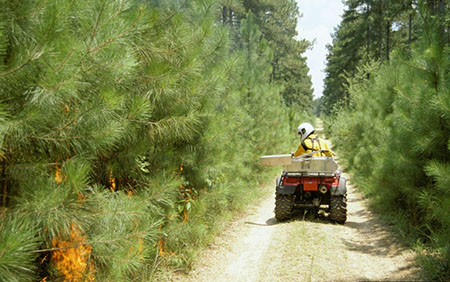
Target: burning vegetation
x=72, y=257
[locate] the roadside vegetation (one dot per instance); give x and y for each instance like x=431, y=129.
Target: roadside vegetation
x=130, y=130
x=387, y=107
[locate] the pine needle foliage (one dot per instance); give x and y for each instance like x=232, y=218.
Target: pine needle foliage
x=122, y=233
x=18, y=240
x=394, y=136
x=134, y=125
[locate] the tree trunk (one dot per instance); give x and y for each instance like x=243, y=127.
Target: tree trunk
x=3, y=184
x=224, y=14
x=441, y=11
x=431, y=6
x=272, y=75
x=368, y=31
x=274, y=67
x=388, y=39
x=380, y=31
x=410, y=29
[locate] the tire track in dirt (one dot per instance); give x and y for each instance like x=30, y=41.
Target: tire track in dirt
x=256, y=247
x=239, y=250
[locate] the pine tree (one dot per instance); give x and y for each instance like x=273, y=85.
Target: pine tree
x=127, y=129
x=369, y=31
x=395, y=137
x=277, y=21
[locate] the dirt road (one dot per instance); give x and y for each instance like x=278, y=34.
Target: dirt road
x=258, y=248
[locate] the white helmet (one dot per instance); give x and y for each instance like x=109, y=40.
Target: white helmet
x=304, y=130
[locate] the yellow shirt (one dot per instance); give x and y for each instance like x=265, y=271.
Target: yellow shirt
x=312, y=143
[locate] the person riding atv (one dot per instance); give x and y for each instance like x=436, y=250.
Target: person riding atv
x=309, y=142
x=310, y=181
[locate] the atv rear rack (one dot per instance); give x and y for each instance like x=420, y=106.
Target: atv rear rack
x=304, y=165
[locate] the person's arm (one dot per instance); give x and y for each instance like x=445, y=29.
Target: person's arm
x=329, y=153
x=300, y=151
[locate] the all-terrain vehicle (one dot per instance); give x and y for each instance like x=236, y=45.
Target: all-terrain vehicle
x=309, y=183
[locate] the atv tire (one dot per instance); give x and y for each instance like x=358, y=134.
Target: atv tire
x=338, y=209
x=284, y=205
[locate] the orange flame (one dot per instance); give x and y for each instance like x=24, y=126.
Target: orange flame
x=131, y=192
x=161, y=244
x=161, y=248
x=58, y=175
x=186, y=196
x=185, y=214
x=42, y=261
x=81, y=198
x=112, y=181
x=137, y=250
x=72, y=257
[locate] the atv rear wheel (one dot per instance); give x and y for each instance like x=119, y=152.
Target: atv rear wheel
x=284, y=205
x=338, y=209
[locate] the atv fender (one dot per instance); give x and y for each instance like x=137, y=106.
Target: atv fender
x=285, y=189
x=278, y=181
x=341, y=189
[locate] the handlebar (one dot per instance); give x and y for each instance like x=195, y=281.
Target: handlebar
x=310, y=154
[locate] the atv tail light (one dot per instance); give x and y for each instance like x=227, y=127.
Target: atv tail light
x=291, y=181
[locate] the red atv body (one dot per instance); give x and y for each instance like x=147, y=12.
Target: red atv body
x=311, y=191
